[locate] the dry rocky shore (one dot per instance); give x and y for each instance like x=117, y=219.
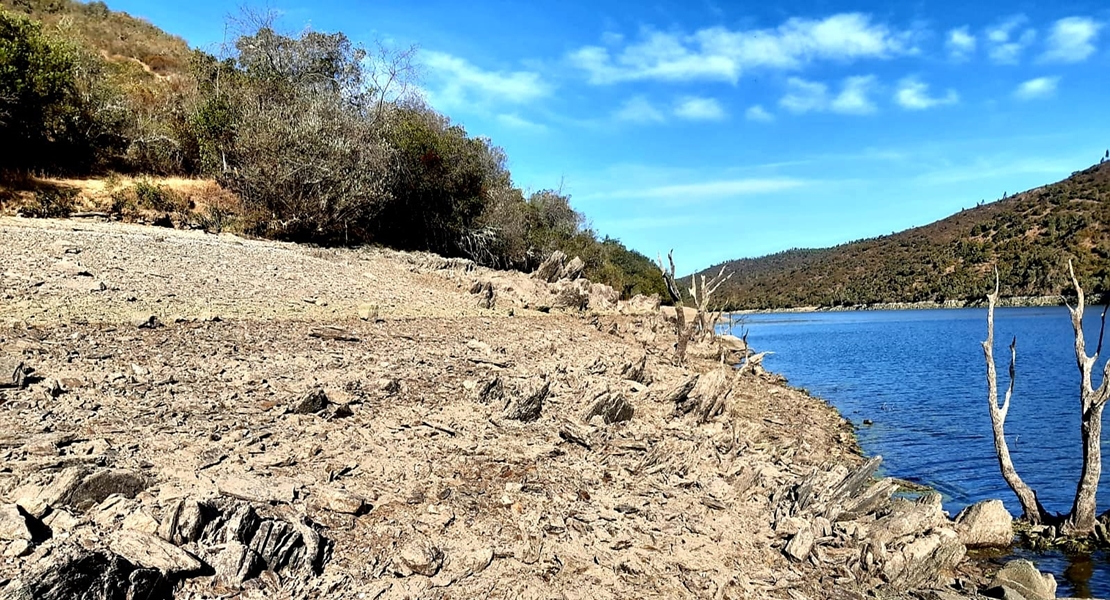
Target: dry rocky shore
x=193, y=416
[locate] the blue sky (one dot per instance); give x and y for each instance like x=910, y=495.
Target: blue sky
x=726, y=130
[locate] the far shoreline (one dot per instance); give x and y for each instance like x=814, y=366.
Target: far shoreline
x=1011, y=302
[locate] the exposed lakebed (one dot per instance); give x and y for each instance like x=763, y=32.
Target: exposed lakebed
x=919, y=378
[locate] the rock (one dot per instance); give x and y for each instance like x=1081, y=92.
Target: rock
x=368, y=312
x=76, y=487
x=18, y=548
x=552, y=268
x=312, y=402
x=800, y=545
x=92, y=490
x=419, y=557
x=330, y=332
x=336, y=500
x=678, y=393
x=60, y=521
x=612, y=408
x=789, y=526
x=183, y=522
x=37, y=500
x=73, y=572
x=256, y=489
x=235, y=564
x=908, y=517
x=13, y=373
x=13, y=524
x=573, y=269
x=925, y=562
x=152, y=552
x=1023, y=577
x=986, y=524
x=146, y=322
x=636, y=371
x=528, y=408
x=490, y=392
x=641, y=305
x=571, y=295
x=141, y=522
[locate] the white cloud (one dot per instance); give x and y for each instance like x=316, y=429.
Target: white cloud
x=1041, y=87
x=960, y=43
x=758, y=113
x=809, y=96
x=913, y=94
x=1072, y=40
x=804, y=96
x=699, y=109
x=721, y=54
x=1007, y=40
x=455, y=82
x=853, y=97
x=639, y=110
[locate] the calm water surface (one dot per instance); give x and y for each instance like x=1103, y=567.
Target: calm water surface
x=919, y=376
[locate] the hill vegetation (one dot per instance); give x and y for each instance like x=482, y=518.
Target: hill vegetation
x=1030, y=237
x=318, y=139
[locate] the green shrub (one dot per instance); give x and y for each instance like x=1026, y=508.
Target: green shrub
x=51, y=203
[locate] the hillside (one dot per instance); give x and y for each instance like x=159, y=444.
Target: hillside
x=132, y=46
x=1030, y=236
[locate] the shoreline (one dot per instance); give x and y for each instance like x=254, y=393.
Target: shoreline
x=452, y=446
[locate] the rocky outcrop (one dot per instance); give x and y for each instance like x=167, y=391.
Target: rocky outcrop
x=847, y=520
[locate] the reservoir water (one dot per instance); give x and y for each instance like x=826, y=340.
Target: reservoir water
x=919, y=377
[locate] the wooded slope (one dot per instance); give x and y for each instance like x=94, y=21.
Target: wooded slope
x=1030, y=236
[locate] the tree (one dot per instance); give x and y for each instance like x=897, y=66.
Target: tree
x=1081, y=519
x=38, y=91
x=682, y=332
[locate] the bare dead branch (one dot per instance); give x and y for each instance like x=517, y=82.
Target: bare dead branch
x=1031, y=507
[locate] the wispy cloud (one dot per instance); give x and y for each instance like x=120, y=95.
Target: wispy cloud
x=758, y=113
x=810, y=96
x=639, y=110
x=1008, y=39
x=455, y=82
x=1072, y=40
x=913, y=94
x=694, y=108
x=515, y=121
x=722, y=54
x=708, y=190
x=960, y=43
x=1041, y=87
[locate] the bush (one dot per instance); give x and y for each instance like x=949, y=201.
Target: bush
x=51, y=203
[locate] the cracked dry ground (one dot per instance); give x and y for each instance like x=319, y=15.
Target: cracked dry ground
x=420, y=484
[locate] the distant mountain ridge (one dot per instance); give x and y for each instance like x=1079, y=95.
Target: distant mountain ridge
x=1030, y=236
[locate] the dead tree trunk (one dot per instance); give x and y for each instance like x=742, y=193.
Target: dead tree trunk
x=1031, y=508
x=681, y=331
x=704, y=320
x=1081, y=520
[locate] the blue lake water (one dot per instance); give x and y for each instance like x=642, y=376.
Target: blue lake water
x=920, y=377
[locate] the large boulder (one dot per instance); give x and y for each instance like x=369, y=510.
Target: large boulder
x=986, y=524
x=1023, y=577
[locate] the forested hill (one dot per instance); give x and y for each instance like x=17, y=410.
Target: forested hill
x=1030, y=236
